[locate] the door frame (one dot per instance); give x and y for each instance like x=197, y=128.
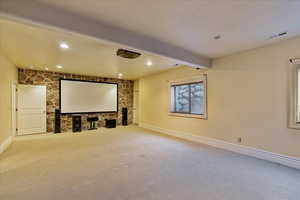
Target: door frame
x=14, y=101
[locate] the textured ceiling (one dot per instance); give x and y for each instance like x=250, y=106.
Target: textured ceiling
x=192, y=24
x=181, y=30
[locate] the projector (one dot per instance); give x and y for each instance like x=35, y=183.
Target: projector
x=127, y=54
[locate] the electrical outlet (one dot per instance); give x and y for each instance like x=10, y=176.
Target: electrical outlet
x=239, y=140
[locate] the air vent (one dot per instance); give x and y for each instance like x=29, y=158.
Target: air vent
x=278, y=35
x=127, y=54
x=217, y=37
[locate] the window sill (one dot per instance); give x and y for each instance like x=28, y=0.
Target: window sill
x=294, y=126
x=188, y=115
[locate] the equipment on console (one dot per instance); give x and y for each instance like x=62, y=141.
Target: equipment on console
x=92, y=121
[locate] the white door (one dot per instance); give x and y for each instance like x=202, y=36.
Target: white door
x=31, y=109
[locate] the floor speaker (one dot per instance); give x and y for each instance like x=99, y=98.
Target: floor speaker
x=110, y=123
x=57, y=127
x=124, y=116
x=76, y=123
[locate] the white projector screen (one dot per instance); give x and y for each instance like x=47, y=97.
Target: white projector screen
x=87, y=97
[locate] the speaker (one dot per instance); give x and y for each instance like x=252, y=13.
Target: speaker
x=76, y=123
x=57, y=128
x=110, y=123
x=124, y=116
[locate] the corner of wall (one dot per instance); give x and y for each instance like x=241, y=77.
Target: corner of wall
x=5, y=144
x=8, y=76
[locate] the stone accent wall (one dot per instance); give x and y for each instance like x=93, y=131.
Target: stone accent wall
x=51, y=80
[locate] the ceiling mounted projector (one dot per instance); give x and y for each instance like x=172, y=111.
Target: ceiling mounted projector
x=127, y=54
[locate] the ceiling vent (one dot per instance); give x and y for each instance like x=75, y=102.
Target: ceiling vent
x=127, y=54
x=278, y=35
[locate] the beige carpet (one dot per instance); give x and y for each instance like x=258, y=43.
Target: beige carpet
x=129, y=163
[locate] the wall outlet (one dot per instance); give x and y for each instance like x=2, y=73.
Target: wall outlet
x=239, y=140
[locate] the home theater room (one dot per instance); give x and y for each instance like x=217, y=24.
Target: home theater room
x=150, y=100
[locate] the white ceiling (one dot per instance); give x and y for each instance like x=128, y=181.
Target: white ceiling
x=38, y=48
x=180, y=29
x=192, y=24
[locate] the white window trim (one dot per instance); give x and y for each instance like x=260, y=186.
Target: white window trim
x=293, y=92
x=200, y=78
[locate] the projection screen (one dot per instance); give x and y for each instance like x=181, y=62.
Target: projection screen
x=87, y=97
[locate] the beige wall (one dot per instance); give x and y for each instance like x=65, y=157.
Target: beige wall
x=8, y=75
x=247, y=97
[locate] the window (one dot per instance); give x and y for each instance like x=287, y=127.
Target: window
x=294, y=101
x=298, y=96
x=188, y=97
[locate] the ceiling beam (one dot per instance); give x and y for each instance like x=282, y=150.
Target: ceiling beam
x=41, y=13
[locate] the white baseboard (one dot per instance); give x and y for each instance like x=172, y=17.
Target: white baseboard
x=5, y=144
x=250, y=151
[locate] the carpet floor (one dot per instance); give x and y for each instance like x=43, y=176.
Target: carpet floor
x=130, y=163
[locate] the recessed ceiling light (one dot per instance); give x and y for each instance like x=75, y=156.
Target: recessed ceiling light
x=59, y=66
x=64, y=45
x=46, y=68
x=149, y=63
x=120, y=75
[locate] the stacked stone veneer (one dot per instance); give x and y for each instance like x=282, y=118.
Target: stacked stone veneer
x=51, y=80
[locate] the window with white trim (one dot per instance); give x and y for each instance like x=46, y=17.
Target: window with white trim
x=188, y=97
x=298, y=96
x=294, y=94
